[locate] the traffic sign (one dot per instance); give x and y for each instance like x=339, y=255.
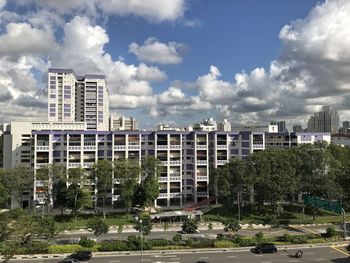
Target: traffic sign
x=322, y=204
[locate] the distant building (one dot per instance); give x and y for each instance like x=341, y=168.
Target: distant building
x=326, y=120
x=346, y=124
x=297, y=128
x=224, y=126
x=122, y=123
x=206, y=125
x=280, y=124
x=258, y=128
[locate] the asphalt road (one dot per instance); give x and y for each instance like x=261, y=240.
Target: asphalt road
x=320, y=254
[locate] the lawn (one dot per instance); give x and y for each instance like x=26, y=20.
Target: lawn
x=291, y=215
x=111, y=220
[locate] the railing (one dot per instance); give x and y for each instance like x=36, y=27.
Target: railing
x=202, y=161
x=164, y=162
x=134, y=147
x=174, y=174
x=163, y=179
x=173, y=178
x=163, y=195
x=74, y=148
x=221, y=161
x=202, y=193
x=40, y=165
x=175, y=162
x=202, y=178
x=175, y=194
x=162, y=146
x=175, y=146
x=88, y=165
x=258, y=146
x=119, y=147
x=42, y=148
x=87, y=148
x=40, y=201
x=201, y=146
x=73, y=165
x=221, y=146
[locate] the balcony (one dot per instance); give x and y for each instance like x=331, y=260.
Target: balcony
x=134, y=146
x=73, y=165
x=175, y=146
x=202, y=193
x=40, y=165
x=162, y=146
x=201, y=146
x=177, y=162
x=119, y=147
x=258, y=146
x=221, y=161
x=175, y=194
x=202, y=161
x=202, y=178
x=42, y=148
x=163, y=194
x=163, y=179
x=175, y=178
x=74, y=148
x=164, y=162
x=89, y=148
x=221, y=146
x=88, y=164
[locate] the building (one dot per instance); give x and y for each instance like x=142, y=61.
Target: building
x=341, y=139
x=326, y=120
x=78, y=98
x=346, y=124
x=206, y=125
x=258, y=128
x=122, y=123
x=280, y=124
x=297, y=128
x=224, y=126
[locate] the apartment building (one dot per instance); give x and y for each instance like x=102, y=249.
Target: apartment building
x=122, y=123
x=78, y=98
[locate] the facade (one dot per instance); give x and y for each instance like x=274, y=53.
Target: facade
x=224, y=126
x=341, y=139
x=346, y=124
x=326, y=120
x=297, y=128
x=122, y=123
x=280, y=124
x=78, y=98
x=206, y=125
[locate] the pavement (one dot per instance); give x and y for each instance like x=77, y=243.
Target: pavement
x=333, y=254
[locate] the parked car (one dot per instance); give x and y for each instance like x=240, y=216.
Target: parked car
x=69, y=260
x=265, y=248
x=81, y=255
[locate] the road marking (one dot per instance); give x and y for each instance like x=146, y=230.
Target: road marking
x=258, y=255
x=294, y=260
x=266, y=262
x=303, y=228
x=309, y=253
x=114, y=261
x=341, y=251
x=231, y=256
x=320, y=259
x=203, y=257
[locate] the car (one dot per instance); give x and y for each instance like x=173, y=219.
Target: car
x=265, y=248
x=81, y=255
x=69, y=260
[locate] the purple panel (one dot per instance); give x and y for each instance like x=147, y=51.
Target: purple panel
x=52, y=82
x=109, y=153
x=245, y=152
x=245, y=144
x=56, y=154
x=245, y=135
x=101, y=153
x=150, y=152
x=189, y=152
x=52, y=77
x=52, y=96
x=234, y=151
x=189, y=166
x=67, y=96
x=52, y=114
x=305, y=138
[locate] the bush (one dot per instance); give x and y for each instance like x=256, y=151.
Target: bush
x=189, y=226
x=64, y=249
x=331, y=232
x=116, y=245
x=220, y=237
x=224, y=244
x=177, y=238
x=160, y=242
x=203, y=244
x=259, y=237
x=86, y=242
x=34, y=247
x=245, y=241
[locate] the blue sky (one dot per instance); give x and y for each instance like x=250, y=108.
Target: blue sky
x=178, y=61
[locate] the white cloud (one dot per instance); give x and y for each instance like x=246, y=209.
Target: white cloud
x=172, y=96
x=22, y=39
x=150, y=73
x=2, y=3
x=157, y=52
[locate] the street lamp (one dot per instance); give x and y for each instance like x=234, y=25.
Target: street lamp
x=141, y=228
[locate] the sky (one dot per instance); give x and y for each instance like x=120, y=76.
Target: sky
x=180, y=61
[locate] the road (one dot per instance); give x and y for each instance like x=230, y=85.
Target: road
x=319, y=254
x=159, y=233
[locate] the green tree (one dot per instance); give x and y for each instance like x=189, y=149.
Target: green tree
x=97, y=226
x=151, y=168
x=145, y=226
x=127, y=172
x=189, y=226
x=18, y=180
x=259, y=237
x=232, y=226
x=4, y=193
x=102, y=172
x=77, y=199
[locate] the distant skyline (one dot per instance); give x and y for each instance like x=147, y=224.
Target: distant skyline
x=178, y=61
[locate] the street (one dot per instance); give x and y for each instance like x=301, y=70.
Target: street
x=318, y=254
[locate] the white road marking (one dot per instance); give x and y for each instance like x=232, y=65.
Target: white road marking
x=258, y=255
x=294, y=260
x=203, y=257
x=231, y=256
x=114, y=261
x=320, y=259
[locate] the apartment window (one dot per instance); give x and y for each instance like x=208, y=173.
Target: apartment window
x=52, y=96
x=67, y=96
x=52, y=77
x=52, y=114
x=52, y=82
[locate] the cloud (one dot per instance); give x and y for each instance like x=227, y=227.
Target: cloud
x=2, y=3
x=153, y=10
x=150, y=73
x=157, y=52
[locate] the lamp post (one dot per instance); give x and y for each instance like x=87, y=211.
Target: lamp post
x=141, y=230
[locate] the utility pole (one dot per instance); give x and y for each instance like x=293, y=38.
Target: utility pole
x=239, y=206
x=344, y=222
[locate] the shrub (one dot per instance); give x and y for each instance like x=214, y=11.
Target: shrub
x=331, y=232
x=120, y=229
x=160, y=242
x=116, y=245
x=203, y=244
x=177, y=238
x=210, y=226
x=259, y=237
x=86, y=242
x=220, y=237
x=189, y=226
x=224, y=244
x=245, y=241
x=35, y=247
x=64, y=249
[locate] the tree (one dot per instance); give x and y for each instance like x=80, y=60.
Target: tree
x=97, y=226
x=259, y=237
x=17, y=180
x=272, y=221
x=145, y=226
x=4, y=193
x=102, y=172
x=127, y=172
x=189, y=226
x=232, y=226
x=77, y=199
x=151, y=168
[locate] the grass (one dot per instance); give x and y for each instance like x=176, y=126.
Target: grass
x=291, y=215
x=111, y=220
